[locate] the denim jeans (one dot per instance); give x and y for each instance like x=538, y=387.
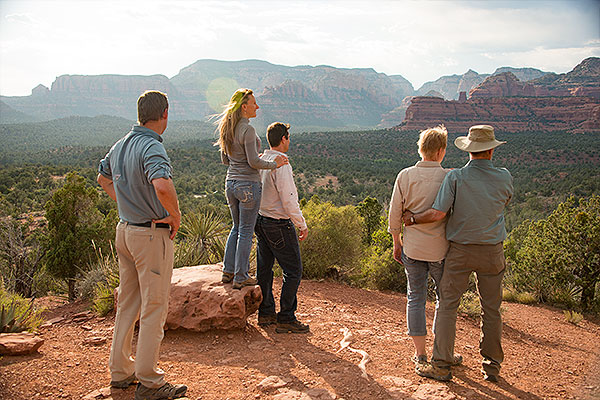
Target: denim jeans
x=243, y=198
x=416, y=291
x=277, y=239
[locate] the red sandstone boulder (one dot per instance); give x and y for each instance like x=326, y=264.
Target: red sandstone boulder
x=13, y=344
x=200, y=302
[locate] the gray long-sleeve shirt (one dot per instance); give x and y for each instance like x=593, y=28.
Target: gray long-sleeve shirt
x=244, y=161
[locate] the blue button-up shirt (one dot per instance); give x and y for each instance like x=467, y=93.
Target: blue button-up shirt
x=475, y=195
x=132, y=163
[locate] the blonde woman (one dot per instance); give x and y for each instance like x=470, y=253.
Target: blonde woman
x=239, y=146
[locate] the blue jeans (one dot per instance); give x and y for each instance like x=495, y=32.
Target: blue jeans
x=416, y=291
x=277, y=239
x=243, y=198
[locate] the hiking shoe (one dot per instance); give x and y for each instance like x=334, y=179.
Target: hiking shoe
x=265, y=320
x=292, y=327
x=125, y=383
x=490, y=378
x=457, y=360
x=227, y=277
x=419, y=359
x=431, y=371
x=166, y=391
x=248, y=282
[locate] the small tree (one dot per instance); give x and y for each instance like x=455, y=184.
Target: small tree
x=558, y=258
x=370, y=210
x=74, y=223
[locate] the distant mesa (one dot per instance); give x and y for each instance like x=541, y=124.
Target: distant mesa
x=552, y=102
x=310, y=98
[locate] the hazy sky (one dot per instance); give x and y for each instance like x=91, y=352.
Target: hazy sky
x=420, y=40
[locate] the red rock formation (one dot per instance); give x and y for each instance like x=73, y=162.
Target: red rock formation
x=503, y=85
x=510, y=114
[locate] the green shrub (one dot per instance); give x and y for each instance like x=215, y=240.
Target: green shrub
x=17, y=314
x=98, y=284
x=518, y=297
x=334, y=243
x=380, y=271
x=469, y=304
x=573, y=317
x=557, y=259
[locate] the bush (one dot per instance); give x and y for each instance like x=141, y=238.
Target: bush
x=557, y=259
x=334, y=242
x=99, y=283
x=17, y=314
x=573, y=317
x=381, y=272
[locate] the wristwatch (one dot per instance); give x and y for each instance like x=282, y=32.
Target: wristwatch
x=412, y=220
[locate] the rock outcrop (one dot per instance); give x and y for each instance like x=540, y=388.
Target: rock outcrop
x=509, y=114
x=200, y=302
x=13, y=344
x=566, y=102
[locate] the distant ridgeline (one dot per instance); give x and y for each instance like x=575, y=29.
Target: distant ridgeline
x=314, y=98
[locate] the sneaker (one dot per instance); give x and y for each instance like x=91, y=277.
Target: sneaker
x=227, y=277
x=431, y=371
x=292, y=327
x=490, y=378
x=265, y=320
x=248, y=282
x=125, y=383
x=166, y=391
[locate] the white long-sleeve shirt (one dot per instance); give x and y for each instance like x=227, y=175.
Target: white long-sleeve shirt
x=279, y=194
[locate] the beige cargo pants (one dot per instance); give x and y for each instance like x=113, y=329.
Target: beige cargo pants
x=145, y=269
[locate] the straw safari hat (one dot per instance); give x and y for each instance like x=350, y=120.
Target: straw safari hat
x=481, y=138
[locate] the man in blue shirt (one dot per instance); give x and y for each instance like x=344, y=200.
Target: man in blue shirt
x=474, y=198
x=137, y=174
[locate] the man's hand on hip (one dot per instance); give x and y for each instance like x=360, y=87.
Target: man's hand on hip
x=174, y=223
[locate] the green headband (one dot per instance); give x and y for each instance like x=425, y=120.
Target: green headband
x=237, y=99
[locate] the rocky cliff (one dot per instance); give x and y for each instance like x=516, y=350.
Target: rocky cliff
x=320, y=96
x=451, y=85
x=569, y=102
x=508, y=114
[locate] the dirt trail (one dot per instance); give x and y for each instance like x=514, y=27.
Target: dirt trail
x=545, y=356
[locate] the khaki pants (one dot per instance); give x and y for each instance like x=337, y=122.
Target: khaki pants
x=487, y=261
x=145, y=269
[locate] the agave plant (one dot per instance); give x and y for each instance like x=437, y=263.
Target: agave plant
x=13, y=319
x=203, y=237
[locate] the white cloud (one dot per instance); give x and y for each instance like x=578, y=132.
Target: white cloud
x=419, y=40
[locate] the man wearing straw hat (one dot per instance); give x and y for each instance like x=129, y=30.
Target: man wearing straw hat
x=474, y=198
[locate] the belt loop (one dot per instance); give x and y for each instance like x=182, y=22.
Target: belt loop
x=153, y=225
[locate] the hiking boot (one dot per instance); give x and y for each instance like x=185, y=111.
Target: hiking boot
x=124, y=383
x=457, y=360
x=490, y=377
x=248, y=282
x=265, y=320
x=166, y=391
x=292, y=327
x=429, y=370
x=227, y=277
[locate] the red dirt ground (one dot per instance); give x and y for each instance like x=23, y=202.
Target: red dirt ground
x=545, y=356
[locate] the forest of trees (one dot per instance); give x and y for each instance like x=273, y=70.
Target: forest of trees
x=333, y=170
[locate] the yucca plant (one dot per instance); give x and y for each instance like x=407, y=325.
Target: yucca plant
x=203, y=237
x=17, y=314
